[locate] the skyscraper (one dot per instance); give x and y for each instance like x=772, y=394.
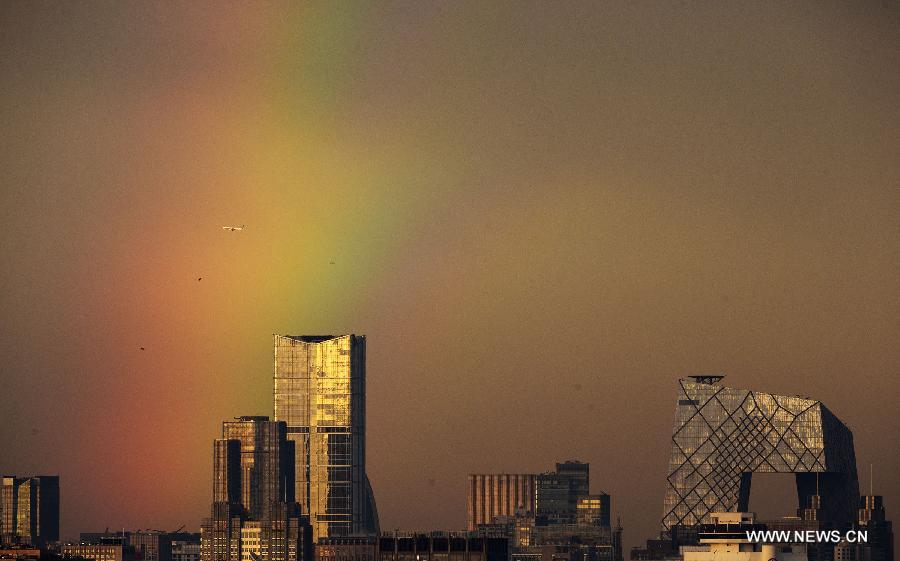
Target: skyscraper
x=557, y=493
x=320, y=392
x=873, y=519
x=724, y=435
x=266, y=463
x=254, y=514
x=29, y=509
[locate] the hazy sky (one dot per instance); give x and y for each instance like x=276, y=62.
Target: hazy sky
x=541, y=215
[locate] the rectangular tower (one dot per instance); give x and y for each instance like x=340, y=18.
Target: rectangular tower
x=254, y=514
x=320, y=392
x=29, y=509
x=500, y=494
x=266, y=463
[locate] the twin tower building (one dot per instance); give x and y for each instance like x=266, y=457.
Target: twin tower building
x=279, y=485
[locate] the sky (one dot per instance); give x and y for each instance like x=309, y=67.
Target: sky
x=541, y=215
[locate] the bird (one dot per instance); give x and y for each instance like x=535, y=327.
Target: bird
x=331, y=263
x=199, y=279
x=234, y=228
x=142, y=348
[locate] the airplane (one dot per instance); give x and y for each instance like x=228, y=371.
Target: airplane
x=233, y=228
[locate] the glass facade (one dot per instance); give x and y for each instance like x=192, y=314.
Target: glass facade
x=557, y=493
x=254, y=515
x=723, y=435
x=594, y=510
x=29, y=509
x=266, y=467
x=320, y=393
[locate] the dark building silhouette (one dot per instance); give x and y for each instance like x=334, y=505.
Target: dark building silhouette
x=105, y=537
x=441, y=546
x=186, y=550
x=29, y=510
x=724, y=435
x=557, y=492
x=320, y=392
x=594, y=510
x=872, y=518
x=156, y=545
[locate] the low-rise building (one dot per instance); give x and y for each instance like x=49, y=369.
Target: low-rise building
x=727, y=539
x=441, y=546
x=350, y=548
x=98, y=552
x=186, y=550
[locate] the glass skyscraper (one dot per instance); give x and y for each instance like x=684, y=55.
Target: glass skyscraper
x=320, y=392
x=265, y=468
x=254, y=516
x=29, y=509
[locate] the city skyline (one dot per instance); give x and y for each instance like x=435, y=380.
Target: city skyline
x=541, y=217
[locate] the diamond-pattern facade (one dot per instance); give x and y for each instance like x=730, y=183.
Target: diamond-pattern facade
x=724, y=435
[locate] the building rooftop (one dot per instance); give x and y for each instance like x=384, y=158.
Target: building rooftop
x=707, y=378
x=311, y=338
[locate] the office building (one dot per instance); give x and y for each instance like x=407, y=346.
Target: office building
x=106, y=537
x=29, y=510
x=557, y=492
x=21, y=553
x=99, y=551
x=265, y=468
x=186, y=550
x=493, y=495
x=726, y=538
x=872, y=518
x=254, y=514
x=594, y=510
x=344, y=548
x=441, y=546
x=320, y=393
x=578, y=475
x=724, y=435
x=156, y=545
x=564, y=552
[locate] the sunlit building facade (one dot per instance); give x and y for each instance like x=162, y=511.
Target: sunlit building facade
x=254, y=514
x=98, y=552
x=492, y=495
x=29, y=510
x=265, y=466
x=724, y=435
x=320, y=393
